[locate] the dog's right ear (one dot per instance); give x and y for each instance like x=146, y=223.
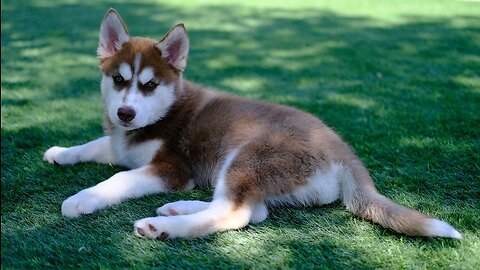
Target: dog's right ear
x=113, y=34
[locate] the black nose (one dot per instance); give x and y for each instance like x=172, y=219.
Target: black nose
x=126, y=113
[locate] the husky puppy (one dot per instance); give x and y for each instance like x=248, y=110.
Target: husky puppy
x=176, y=135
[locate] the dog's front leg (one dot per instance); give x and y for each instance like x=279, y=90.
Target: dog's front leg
x=99, y=150
x=121, y=186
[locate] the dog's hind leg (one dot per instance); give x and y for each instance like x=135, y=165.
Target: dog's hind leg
x=99, y=150
x=182, y=208
x=179, y=208
x=221, y=215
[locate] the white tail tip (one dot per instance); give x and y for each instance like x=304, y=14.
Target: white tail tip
x=443, y=229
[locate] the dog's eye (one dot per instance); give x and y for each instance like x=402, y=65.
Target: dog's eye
x=151, y=85
x=117, y=78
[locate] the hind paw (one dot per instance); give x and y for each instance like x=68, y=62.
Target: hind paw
x=160, y=228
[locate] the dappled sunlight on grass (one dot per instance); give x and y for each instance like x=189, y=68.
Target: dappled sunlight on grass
x=350, y=100
x=222, y=62
x=448, y=145
x=469, y=82
x=244, y=84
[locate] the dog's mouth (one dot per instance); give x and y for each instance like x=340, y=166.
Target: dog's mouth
x=126, y=126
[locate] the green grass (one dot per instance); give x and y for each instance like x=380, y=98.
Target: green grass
x=399, y=80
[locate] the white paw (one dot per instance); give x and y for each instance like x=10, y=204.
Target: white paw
x=80, y=204
x=160, y=228
x=59, y=155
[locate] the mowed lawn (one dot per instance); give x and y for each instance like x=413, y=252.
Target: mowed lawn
x=399, y=80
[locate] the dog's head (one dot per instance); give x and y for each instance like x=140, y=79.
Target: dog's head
x=141, y=78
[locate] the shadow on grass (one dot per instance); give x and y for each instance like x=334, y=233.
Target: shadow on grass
x=388, y=90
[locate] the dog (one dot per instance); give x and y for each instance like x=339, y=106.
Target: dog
x=176, y=135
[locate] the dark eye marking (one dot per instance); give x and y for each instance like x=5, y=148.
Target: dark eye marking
x=150, y=85
x=118, y=79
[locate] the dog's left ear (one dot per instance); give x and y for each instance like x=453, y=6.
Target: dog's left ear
x=174, y=47
x=113, y=34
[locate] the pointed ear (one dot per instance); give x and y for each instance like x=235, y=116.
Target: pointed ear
x=113, y=34
x=174, y=47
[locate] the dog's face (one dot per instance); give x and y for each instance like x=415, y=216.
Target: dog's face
x=140, y=76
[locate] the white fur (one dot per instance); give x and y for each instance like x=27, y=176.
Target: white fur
x=220, y=180
x=125, y=70
x=111, y=22
x=260, y=213
x=121, y=186
x=182, y=208
x=136, y=63
x=321, y=188
x=145, y=75
x=177, y=34
x=99, y=150
x=441, y=228
x=135, y=155
x=53, y=153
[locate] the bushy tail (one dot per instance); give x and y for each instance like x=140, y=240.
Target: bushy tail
x=361, y=197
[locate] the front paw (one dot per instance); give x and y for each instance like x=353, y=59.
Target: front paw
x=59, y=155
x=81, y=203
x=159, y=228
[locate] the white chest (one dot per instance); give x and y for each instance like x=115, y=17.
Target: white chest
x=134, y=155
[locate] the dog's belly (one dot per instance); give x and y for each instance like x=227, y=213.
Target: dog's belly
x=322, y=188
